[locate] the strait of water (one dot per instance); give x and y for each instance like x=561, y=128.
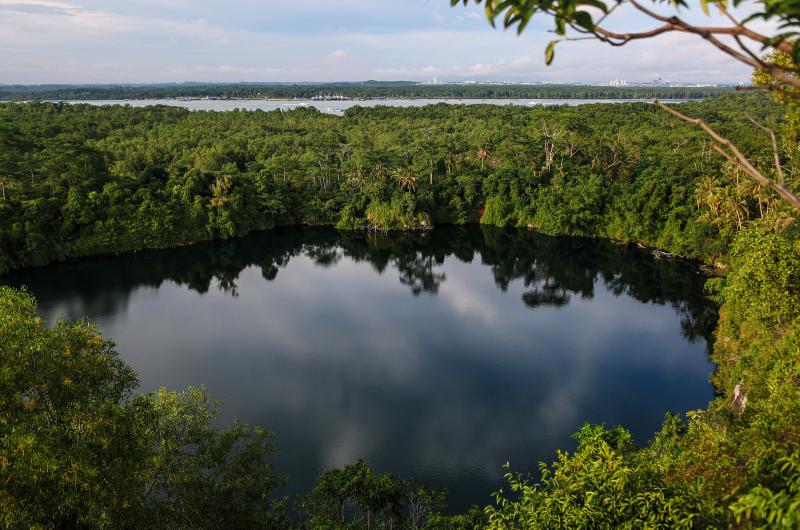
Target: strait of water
x=437, y=356
x=338, y=107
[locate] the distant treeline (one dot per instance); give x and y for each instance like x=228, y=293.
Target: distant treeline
x=368, y=90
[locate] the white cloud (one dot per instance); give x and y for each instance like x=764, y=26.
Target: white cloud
x=22, y=5
x=147, y=41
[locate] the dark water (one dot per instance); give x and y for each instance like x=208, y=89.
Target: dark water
x=438, y=356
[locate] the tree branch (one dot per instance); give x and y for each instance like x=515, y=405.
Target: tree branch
x=775, y=153
x=737, y=29
x=735, y=155
x=673, y=23
x=620, y=39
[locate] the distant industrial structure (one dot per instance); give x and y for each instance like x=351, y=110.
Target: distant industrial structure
x=434, y=82
x=617, y=83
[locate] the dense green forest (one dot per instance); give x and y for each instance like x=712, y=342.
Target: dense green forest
x=366, y=90
x=77, y=180
x=78, y=450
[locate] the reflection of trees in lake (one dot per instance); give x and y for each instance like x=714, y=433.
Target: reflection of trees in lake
x=419, y=273
x=552, y=269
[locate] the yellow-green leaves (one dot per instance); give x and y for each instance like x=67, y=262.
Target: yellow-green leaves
x=550, y=51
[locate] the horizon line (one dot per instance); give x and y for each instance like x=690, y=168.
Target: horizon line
x=375, y=81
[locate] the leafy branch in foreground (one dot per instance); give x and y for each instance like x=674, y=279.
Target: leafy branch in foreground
x=584, y=19
x=776, y=70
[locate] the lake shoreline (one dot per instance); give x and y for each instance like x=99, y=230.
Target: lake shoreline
x=707, y=269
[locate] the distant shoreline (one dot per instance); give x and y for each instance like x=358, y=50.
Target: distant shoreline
x=340, y=107
x=353, y=92
x=356, y=99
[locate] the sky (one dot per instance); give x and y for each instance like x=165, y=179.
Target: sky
x=155, y=41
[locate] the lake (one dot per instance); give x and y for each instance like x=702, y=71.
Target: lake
x=338, y=107
x=437, y=355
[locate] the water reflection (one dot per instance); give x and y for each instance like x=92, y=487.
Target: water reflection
x=437, y=355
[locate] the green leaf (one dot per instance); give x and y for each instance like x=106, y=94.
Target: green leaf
x=584, y=20
x=598, y=4
x=550, y=51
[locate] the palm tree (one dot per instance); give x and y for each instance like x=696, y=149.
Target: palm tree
x=483, y=154
x=405, y=179
x=450, y=162
x=357, y=177
x=765, y=197
x=708, y=192
x=734, y=211
x=379, y=170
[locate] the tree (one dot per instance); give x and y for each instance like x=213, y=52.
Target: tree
x=199, y=476
x=67, y=442
x=77, y=450
x=405, y=178
x=356, y=497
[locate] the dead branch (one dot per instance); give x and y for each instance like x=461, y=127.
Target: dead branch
x=734, y=155
x=775, y=153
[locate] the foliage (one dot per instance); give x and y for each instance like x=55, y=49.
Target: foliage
x=80, y=180
x=763, y=79
x=736, y=464
x=598, y=487
x=67, y=445
x=77, y=450
x=202, y=477
x=356, y=497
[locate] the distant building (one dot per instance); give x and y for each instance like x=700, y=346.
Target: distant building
x=618, y=82
x=434, y=82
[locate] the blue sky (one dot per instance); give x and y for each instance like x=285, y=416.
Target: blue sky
x=138, y=41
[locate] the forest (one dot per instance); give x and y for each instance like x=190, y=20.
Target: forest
x=81, y=448
x=365, y=90
x=77, y=180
